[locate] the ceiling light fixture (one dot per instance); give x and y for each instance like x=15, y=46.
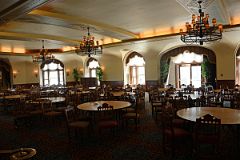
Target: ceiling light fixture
x=200, y=30
x=43, y=55
x=88, y=46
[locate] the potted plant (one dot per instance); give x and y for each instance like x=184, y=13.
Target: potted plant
x=76, y=75
x=99, y=73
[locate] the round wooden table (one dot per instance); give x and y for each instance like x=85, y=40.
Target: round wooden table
x=54, y=99
x=227, y=115
x=93, y=106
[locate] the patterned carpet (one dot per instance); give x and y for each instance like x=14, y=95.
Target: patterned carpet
x=143, y=143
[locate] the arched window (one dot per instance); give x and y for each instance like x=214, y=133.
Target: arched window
x=92, y=65
x=52, y=72
x=189, y=65
x=135, y=69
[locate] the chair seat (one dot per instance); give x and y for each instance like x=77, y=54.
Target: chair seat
x=53, y=113
x=79, y=124
x=108, y=124
x=208, y=139
x=177, y=122
x=36, y=112
x=178, y=133
x=130, y=110
x=131, y=115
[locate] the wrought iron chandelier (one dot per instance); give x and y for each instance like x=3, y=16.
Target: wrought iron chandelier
x=43, y=55
x=200, y=30
x=88, y=46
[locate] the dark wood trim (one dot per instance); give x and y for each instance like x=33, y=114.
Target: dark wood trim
x=26, y=85
x=225, y=84
x=19, y=7
x=114, y=84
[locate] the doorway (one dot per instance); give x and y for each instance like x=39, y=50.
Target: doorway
x=189, y=74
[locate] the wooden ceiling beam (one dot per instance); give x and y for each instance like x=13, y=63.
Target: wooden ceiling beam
x=14, y=9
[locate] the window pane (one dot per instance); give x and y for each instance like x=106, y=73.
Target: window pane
x=141, y=75
x=45, y=67
x=59, y=66
x=196, y=76
x=53, y=77
x=61, y=77
x=93, y=64
x=53, y=74
x=185, y=75
x=53, y=66
x=46, y=82
x=93, y=73
x=45, y=75
x=136, y=70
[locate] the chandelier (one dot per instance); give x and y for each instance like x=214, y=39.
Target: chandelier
x=88, y=46
x=200, y=30
x=43, y=55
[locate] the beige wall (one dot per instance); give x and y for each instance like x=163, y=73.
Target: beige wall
x=112, y=58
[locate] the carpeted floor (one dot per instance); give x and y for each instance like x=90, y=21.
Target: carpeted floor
x=143, y=143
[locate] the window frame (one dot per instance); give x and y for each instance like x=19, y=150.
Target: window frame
x=48, y=72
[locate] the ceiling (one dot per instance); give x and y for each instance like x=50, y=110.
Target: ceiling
x=63, y=23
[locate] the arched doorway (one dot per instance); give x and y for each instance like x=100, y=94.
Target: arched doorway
x=5, y=74
x=188, y=65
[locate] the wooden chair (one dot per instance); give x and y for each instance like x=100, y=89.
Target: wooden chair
x=106, y=118
x=132, y=115
x=74, y=123
x=158, y=103
x=173, y=136
x=48, y=110
x=207, y=137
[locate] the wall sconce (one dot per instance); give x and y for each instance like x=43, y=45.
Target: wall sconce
x=35, y=72
x=15, y=73
x=68, y=72
x=103, y=68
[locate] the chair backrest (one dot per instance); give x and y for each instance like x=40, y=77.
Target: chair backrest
x=208, y=125
x=70, y=114
x=167, y=118
x=105, y=107
x=46, y=105
x=105, y=112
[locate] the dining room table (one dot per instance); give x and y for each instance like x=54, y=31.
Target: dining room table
x=93, y=106
x=228, y=116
